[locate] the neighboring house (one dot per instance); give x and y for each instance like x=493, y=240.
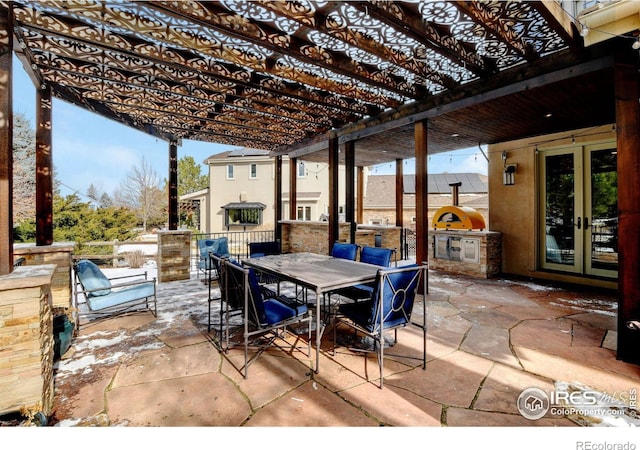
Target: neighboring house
x=379, y=199
x=241, y=191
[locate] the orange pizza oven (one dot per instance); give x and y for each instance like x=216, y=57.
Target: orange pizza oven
x=456, y=217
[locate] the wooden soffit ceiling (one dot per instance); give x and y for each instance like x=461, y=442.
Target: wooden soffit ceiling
x=275, y=75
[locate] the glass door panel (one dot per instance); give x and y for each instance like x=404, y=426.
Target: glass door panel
x=602, y=233
x=559, y=211
x=579, y=210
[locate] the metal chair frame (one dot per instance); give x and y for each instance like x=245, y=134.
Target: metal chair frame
x=125, y=291
x=256, y=323
x=382, y=309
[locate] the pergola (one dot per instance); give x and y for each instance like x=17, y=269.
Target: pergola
x=352, y=82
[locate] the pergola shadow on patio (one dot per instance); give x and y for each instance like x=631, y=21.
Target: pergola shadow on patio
x=488, y=341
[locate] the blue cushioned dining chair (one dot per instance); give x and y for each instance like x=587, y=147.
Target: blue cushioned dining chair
x=268, y=318
x=371, y=255
x=344, y=251
x=258, y=249
x=389, y=308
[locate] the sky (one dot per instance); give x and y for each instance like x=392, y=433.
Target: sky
x=90, y=149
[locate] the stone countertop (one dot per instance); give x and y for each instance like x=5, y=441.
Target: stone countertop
x=27, y=276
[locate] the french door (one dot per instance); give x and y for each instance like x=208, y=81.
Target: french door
x=579, y=210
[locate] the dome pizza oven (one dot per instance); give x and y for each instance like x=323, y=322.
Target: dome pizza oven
x=456, y=217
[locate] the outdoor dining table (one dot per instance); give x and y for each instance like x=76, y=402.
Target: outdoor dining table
x=319, y=273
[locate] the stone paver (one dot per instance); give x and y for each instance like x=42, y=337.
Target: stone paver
x=487, y=341
x=202, y=400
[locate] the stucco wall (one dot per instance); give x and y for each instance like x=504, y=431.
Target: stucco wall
x=514, y=210
x=262, y=189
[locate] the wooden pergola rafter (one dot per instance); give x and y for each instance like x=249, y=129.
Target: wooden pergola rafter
x=258, y=67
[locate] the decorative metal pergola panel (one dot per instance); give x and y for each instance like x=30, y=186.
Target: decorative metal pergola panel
x=271, y=74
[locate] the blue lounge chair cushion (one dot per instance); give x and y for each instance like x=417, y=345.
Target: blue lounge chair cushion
x=92, y=278
x=124, y=295
x=219, y=247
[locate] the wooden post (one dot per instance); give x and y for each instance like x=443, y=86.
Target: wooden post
x=350, y=166
x=44, y=167
x=333, y=191
x=627, y=92
x=277, y=201
x=422, y=207
x=173, y=185
x=360, y=203
x=6, y=141
x=399, y=194
x=293, y=188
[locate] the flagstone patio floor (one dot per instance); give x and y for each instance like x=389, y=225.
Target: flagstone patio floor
x=488, y=340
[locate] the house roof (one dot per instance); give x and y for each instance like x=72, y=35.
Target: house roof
x=439, y=183
x=244, y=205
x=381, y=189
x=238, y=153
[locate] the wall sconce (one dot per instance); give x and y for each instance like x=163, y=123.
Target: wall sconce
x=510, y=174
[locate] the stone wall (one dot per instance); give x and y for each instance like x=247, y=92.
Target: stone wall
x=174, y=255
x=26, y=340
x=313, y=237
x=490, y=256
x=60, y=254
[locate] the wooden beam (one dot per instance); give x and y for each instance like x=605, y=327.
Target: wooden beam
x=44, y=167
x=628, y=141
x=530, y=77
x=173, y=185
x=6, y=142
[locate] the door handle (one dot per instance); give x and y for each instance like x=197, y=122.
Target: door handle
x=579, y=224
x=586, y=223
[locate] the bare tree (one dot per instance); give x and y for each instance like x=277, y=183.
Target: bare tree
x=140, y=191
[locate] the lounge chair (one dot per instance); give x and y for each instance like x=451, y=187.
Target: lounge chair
x=104, y=298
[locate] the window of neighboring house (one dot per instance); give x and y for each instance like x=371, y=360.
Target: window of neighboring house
x=253, y=171
x=304, y=212
x=302, y=171
x=243, y=216
x=229, y=171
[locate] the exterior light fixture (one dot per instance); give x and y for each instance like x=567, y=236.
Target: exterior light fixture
x=584, y=30
x=636, y=44
x=509, y=177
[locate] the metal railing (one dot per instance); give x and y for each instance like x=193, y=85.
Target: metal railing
x=408, y=243
x=238, y=242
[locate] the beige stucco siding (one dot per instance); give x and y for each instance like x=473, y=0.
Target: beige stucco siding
x=514, y=210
